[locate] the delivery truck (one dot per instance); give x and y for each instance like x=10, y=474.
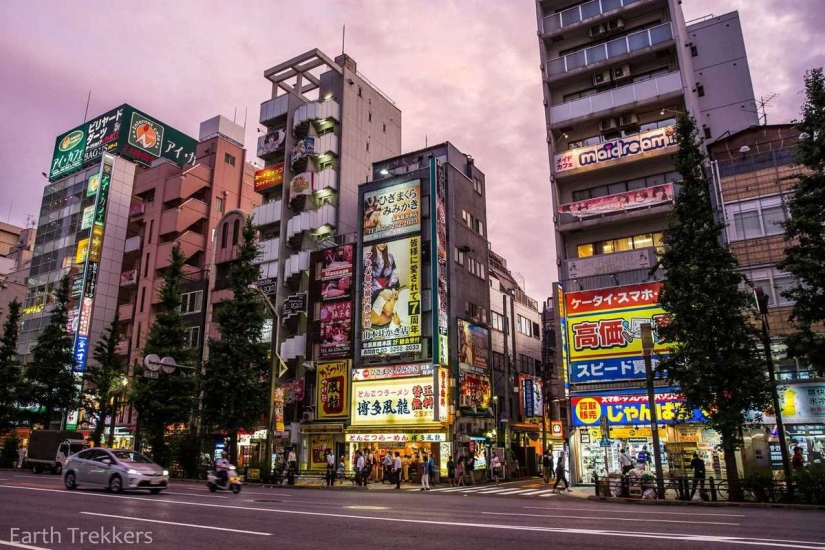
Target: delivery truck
x=49, y=449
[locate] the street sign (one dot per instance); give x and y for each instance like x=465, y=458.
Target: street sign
x=151, y=374
x=151, y=362
x=604, y=443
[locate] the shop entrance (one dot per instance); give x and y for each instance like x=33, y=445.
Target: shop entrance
x=412, y=454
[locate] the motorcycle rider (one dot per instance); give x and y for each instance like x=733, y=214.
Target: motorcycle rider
x=222, y=469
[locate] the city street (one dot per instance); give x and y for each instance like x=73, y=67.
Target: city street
x=37, y=512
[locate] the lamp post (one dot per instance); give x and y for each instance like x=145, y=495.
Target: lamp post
x=762, y=306
x=647, y=347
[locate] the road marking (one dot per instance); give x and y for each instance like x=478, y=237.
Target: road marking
x=635, y=512
x=687, y=537
x=211, y=527
x=193, y=494
x=518, y=492
x=16, y=545
x=601, y=518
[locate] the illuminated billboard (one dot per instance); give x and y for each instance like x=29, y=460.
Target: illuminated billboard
x=630, y=407
x=336, y=329
x=396, y=401
x=603, y=331
x=531, y=393
x=333, y=389
x=438, y=174
x=473, y=365
x=333, y=269
x=269, y=177
x=392, y=211
x=653, y=142
x=391, y=308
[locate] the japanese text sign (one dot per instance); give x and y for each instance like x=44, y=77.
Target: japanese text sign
x=630, y=408
x=333, y=389
x=800, y=403
x=392, y=211
x=269, y=177
x=398, y=401
x=392, y=371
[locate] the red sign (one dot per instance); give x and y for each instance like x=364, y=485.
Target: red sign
x=646, y=294
x=619, y=202
x=269, y=177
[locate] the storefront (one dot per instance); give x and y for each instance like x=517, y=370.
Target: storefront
x=803, y=413
x=400, y=408
x=627, y=416
x=319, y=437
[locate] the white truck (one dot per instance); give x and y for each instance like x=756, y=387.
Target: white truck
x=49, y=449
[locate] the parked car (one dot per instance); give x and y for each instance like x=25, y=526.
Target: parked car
x=49, y=450
x=115, y=470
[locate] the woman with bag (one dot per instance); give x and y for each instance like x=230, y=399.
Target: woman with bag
x=496, y=463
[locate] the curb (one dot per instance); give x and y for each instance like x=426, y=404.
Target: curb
x=652, y=502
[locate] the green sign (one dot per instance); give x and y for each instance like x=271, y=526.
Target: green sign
x=68, y=153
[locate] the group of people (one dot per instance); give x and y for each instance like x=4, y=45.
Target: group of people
x=560, y=472
x=391, y=468
x=335, y=469
x=461, y=467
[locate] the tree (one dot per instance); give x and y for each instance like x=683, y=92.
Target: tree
x=805, y=258
x=102, y=381
x=170, y=398
x=236, y=388
x=9, y=367
x=50, y=384
x=714, y=354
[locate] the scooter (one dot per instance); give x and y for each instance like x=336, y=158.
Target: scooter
x=213, y=481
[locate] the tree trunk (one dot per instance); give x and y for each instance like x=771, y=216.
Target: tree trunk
x=233, y=447
x=734, y=487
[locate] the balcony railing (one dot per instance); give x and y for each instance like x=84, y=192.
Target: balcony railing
x=274, y=108
x=296, y=263
x=580, y=13
x=269, y=251
x=311, y=220
x=267, y=213
x=610, y=50
x=607, y=264
x=617, y=98
x=316, y=110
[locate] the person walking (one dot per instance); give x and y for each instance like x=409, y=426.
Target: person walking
x=625, y=462
x=547, y=467
x=387, y=468
x=560, y=474
x=425, y=474
x=470, y=466
x=643, y=457
x=451, y=471
x=798, y=461
x=396, y=466
x=331, y=467
x=495, y=462
x=459, y=470
x=698, y=466
x=360, y=469
x=21, y=456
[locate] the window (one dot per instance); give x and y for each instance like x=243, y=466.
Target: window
x=478, y=187
x=236, y=230
x=755, y=218
x=191, y=302
x=497, y=321
x=498, y=361
x=475, y=311
x=536, y=331
x=773, y=283
x=142, y=298
x=706, y=132
x=472, y=222
x=700, y=89
x=229, y=159
x=525, y=326
x=224, y=234
x=384, y=127
x=151, y=230
x=146, y=265
x=139, y=330
x=369, y=117
x=476, y=268
x=694, y=51
x=459, y=256
x=193, y=335
x=621, y=244
x=219, y=204
x=368, y=146
x=360, y=92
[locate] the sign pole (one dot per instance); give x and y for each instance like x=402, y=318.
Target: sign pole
x=647, y=346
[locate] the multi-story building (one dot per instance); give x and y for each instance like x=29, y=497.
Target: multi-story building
x=754, y=173
x=9, y=235
x=616, y=74
x=325, y=126
x=517, y=366
x=14, y=265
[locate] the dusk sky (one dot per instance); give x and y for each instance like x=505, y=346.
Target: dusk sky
x=461, y=70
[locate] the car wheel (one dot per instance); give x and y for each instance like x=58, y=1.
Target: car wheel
x=70, y=481
x=116, y=484
x=236, y=489
x=57, y=470
x=155, y=491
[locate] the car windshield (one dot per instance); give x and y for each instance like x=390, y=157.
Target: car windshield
x=131, y=456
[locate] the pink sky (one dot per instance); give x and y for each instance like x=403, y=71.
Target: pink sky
x=464, y=71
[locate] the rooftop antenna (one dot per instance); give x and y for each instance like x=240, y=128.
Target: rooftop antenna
x=235, y=116
x=8, y=218
x=88, y=99
x=343, y=38
x=245, y=112
x=762, y=104
x=29, y=219
x=425, y=141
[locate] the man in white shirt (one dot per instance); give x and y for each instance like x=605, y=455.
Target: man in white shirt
x=625, y=462
x=222, y=468
x=396, y=470
x=330, y=458
x=360, y=470
x=387, y=468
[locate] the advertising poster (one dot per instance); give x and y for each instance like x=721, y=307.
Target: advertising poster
x=474, y=387
x=441, y=298
x=301, y=184
x=278, y=413
x=318, y=450
x=620, y=202
x=273, y=141
x=303, y=148
x=333, y=388
x=394, y=401
x=294, y=391
x=392, y=211
x=336, y=329
x=473, y=366
x=655, y=141
x=336, y=275
x=269, y=177
x=604, y=335
x=631, y=407
x=294, y=304
x=531, y=395
x=391, y=309
x=392, y=371
x=800, y=403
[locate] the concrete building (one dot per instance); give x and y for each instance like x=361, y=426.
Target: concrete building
x=616, y=74
x=324, y=127
x=9, y=235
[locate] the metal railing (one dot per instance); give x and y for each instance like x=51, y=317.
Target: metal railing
x=615, y=48
x=688, y=488
x=579, y=13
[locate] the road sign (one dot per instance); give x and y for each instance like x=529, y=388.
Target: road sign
x=151, y=374
x=604, y=443
x=168, y=365
x=151, y=362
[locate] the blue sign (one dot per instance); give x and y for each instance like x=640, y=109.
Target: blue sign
x=81, y=350
x=604, y=443
x=611, y=369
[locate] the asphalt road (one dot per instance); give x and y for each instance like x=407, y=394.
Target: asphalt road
x=37, y=512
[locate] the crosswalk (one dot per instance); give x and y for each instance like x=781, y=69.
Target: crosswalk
x=500, y=490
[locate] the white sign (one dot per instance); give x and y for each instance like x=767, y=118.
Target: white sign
x=397, y=438
x=603, y=153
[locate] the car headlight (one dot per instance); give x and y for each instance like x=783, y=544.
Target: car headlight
x=166, y=472
x=132, y=471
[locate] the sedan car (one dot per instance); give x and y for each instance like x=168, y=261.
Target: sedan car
x=114, y=469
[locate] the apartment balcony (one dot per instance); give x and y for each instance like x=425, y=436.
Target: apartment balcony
x=615, y=51
x=266, y=214
x=132, y=244
x=270, y=250
x=274, y=109
x=609, y=264
x=296, y=263
x=126, y=311
x=269, y=270
x=181, y=218
x=585, y=14
x=311, y=220
x=191, y=243
x=616, y=209
x=316, y=110
x=326, y=179
x=183, y=187
x=624, y=98
x=294, y=347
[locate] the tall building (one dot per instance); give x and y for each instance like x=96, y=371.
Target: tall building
x=754, y=173
x=325, y=126
x=616, y=74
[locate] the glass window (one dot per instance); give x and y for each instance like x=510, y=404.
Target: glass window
x=585, y=250
x=229, y=159
x=632, y=185
x=615, y=188
x=601, y=191
x=658, y=179
x=604, y=247
x=772, y=218
x=782, y=285
x=643, y=241
x=623, y=244
x=747, y=224
x=582, y=195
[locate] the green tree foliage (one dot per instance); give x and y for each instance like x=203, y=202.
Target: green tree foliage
x=714, y=354
x=236, y=381
x=9, y=367
x=805, y=259
x=170, y=398
x=49, y=381
x=102, y=380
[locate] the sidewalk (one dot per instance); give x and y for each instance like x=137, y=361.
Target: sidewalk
x=717, y=504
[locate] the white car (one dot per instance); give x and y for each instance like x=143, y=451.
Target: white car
x=114, y=469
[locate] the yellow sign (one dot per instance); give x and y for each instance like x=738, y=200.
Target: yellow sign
x=627, y=433
x=394, y=402
x=96, y=243
x=82, y=251
x=318, y=447
x=333, y=389
x=688, y=434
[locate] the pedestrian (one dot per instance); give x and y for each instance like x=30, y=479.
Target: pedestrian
x=560, y=474
x=798, y=461
x=470, y=466
x=459, y=470
x=360, y=469
x=643, y=457
x=625, y=462
x=547, y=466
x=292, y=461
x=387, y=468
x=406, y=468
x=425, y=474
x=21, y=456
x=396, y=466
x=698, y=466
x=451, y=471
x=496, y=464
x=431, y=466
x=330, y=459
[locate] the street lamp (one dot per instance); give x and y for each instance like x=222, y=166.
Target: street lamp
x=647, y=347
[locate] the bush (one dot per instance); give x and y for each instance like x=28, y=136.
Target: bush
x=810, y=486
x=761, y=487
x=185, y=447
x=9, y=456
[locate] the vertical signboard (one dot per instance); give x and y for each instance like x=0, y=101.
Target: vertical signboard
x=278, y=411
x=336, y=294
x=438, y=194
x=333, y=389
x=392, y=211
x=473, y=366
x=532, y=396
x=565, y=351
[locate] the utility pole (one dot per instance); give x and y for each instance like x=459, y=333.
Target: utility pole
x=647, y=347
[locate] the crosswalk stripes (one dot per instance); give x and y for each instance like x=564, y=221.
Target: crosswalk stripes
x=496, y=490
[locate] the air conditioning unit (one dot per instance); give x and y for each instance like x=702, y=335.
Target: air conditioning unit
x=620, y=72
x=607, y=124
x=600, y=78
x=597, y=30
x=628, y=119
x=615, y=24
x=308, y=416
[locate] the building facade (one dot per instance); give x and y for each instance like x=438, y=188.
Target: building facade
x=616, y=75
